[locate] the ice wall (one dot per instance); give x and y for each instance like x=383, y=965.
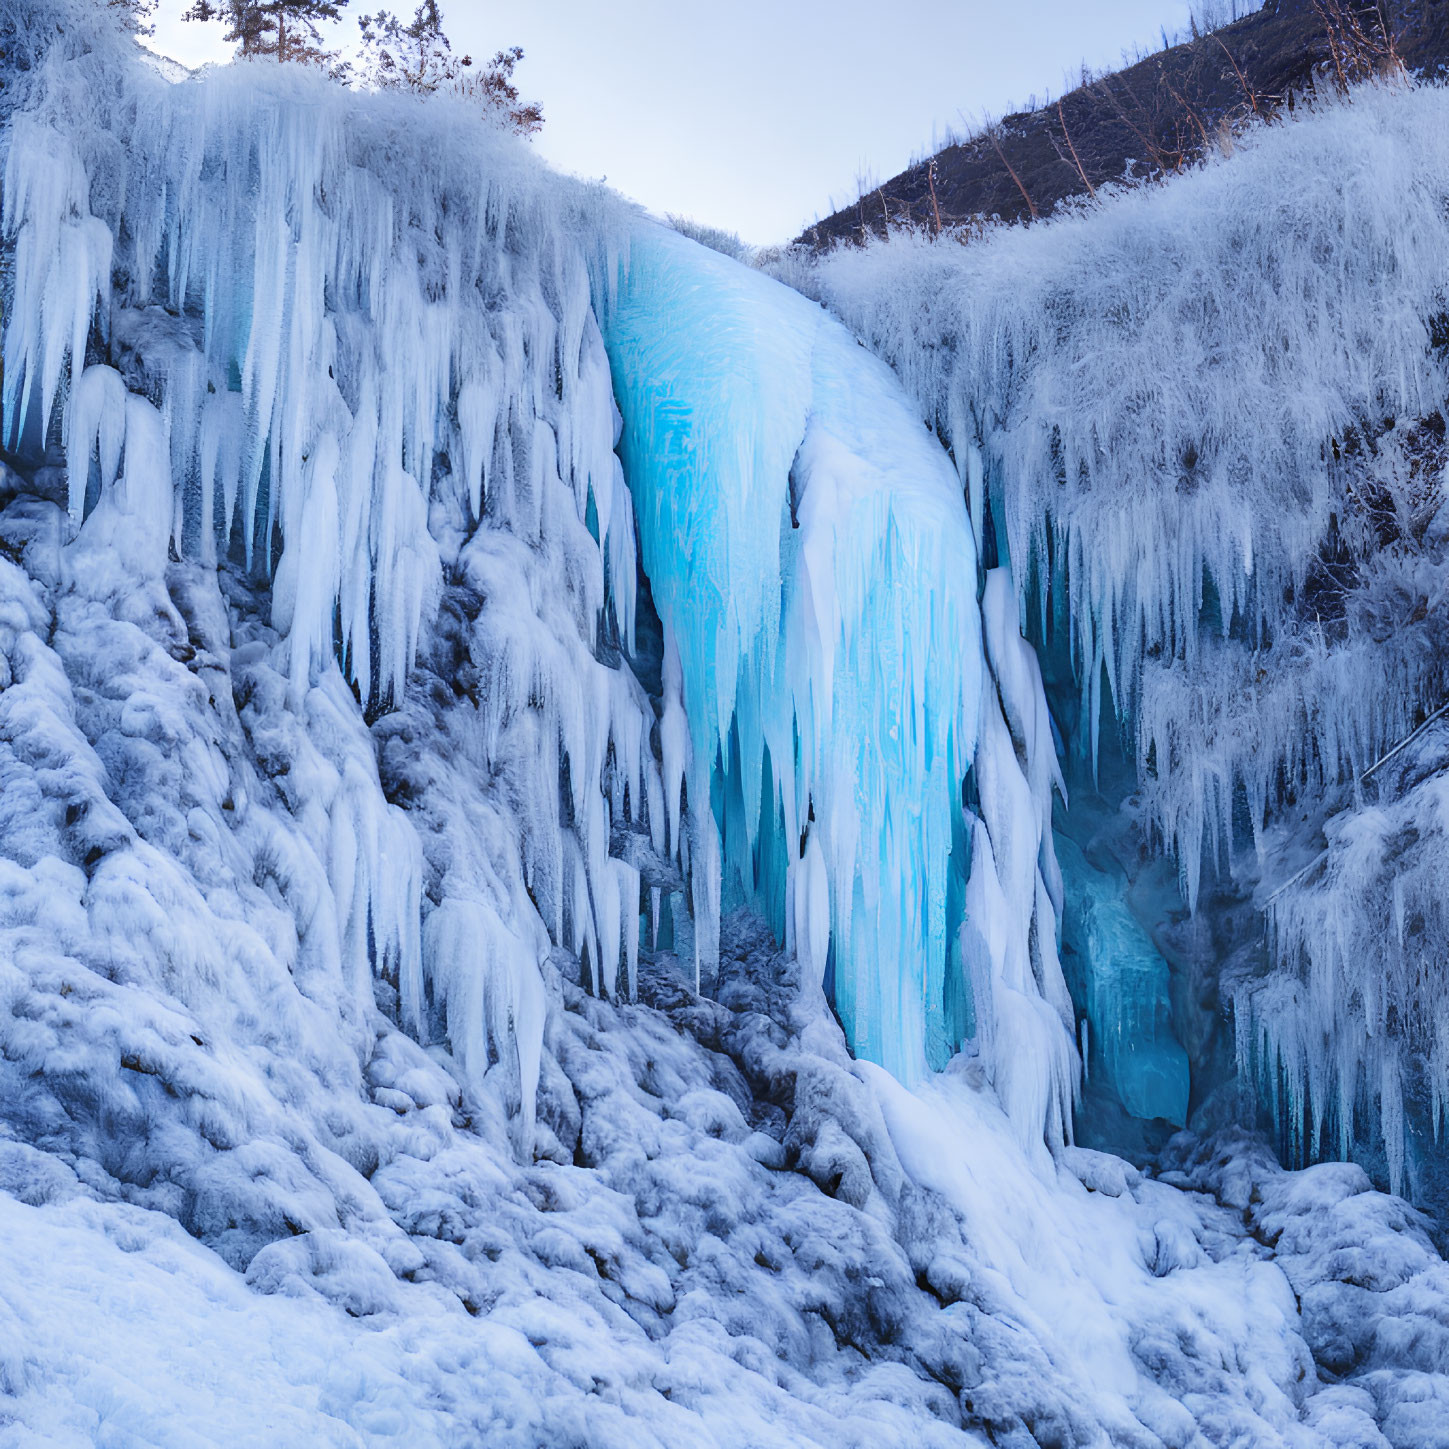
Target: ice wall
x=1205, y=421
x=816, y=572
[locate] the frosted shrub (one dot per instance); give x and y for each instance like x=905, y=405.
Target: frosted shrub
x=716, y=238
x=1193, y=414
x=1150, y=388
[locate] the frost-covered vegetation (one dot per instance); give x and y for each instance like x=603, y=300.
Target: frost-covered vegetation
x=1205, y=420
x=717, y=239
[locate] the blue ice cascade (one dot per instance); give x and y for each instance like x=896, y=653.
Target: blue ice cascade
x=815, y=570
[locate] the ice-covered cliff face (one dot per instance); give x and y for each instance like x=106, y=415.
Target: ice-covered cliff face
x=373, y=808
x=1206, y=421
x=427, y=360
x=261, y=326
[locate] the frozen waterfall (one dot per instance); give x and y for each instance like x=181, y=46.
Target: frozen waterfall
x=840, y=744
x=1206, y=422
x=816, y=571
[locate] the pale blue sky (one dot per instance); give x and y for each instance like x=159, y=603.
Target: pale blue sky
x=753, y=115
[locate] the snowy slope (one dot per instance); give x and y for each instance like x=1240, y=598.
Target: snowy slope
x=732, y=1233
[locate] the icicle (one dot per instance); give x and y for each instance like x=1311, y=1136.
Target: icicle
x=488, y=982
x=96, y=427
x=811, y=890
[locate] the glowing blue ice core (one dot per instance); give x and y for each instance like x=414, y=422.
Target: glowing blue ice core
x=1122, y=985
x=812, y=560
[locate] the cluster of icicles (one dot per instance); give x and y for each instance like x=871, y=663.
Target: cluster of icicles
x=268, y=322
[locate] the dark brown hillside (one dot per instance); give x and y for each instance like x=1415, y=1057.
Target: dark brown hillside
x=1152, y=118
